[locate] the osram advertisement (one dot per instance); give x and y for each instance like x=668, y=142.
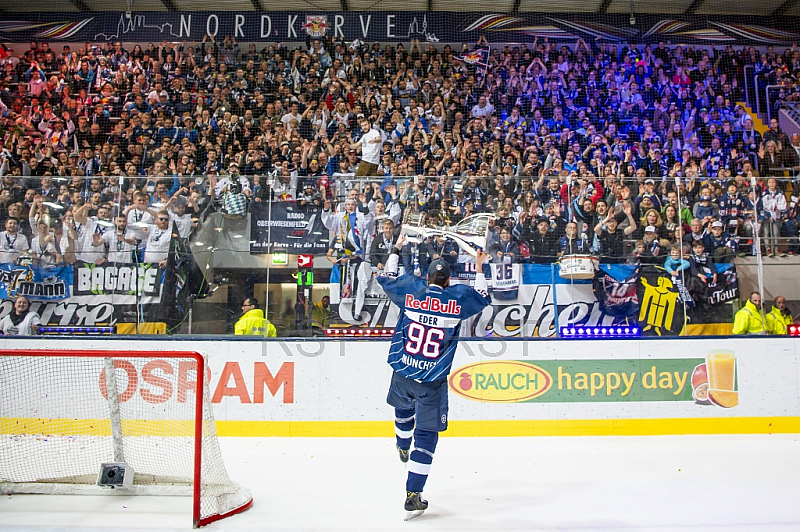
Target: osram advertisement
x=153, y=388
x=310, y=387
x=161, y=379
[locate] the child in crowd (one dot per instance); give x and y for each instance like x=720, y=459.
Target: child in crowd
x=702, y=270
x=675, y=264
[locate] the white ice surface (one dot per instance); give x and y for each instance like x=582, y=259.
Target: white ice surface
x=659, y=483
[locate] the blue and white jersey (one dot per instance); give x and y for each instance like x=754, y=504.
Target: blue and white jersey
x=426, y=335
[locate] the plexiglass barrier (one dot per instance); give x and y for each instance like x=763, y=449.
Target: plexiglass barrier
x=195, y=255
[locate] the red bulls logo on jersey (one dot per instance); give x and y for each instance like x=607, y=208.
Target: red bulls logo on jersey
x=433, y=305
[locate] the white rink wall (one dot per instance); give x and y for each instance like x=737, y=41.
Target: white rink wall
x=497, y=388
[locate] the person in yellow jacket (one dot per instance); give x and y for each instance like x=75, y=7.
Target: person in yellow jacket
x=779, y=318
x=321, y=313
x=253, y=322
x=748, y=320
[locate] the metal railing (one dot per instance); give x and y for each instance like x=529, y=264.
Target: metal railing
x=747, y=85
x=758, y=94
x=792, y=113
x=767, y=91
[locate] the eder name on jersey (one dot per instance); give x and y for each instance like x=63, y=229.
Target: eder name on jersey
x=426, y=335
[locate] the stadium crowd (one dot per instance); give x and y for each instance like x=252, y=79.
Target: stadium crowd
x=622, y=151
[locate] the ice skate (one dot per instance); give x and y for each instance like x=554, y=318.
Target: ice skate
x=404, y=454
x=415, y=505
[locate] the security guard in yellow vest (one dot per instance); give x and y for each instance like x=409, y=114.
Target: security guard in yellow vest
x=253, y=322
x=779, y=319
x=748, y=319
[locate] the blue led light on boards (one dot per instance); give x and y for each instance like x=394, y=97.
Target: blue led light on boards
x=600, y=332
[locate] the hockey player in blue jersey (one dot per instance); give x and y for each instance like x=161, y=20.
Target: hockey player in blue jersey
x=423, y=345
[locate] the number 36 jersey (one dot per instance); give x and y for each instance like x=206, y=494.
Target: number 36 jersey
x=426, y=335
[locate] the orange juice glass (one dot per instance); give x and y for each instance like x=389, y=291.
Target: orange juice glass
x=721, y=366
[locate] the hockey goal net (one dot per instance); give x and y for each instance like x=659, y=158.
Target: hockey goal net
x=64, y=413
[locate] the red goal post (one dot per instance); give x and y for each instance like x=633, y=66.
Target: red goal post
x=61, y=416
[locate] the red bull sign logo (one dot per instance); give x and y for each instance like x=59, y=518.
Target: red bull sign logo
x=472, y=57
x=316, y=25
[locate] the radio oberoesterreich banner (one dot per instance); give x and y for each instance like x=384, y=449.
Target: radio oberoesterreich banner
x=287, y=227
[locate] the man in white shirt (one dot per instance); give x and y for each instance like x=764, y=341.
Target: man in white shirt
x=370, y=144
x=43, y=249
x=179, y=216
x=158, y=240
x=293, y=114
x=138, y=216
x=12, y=242
x=85, y=228
x=483, y=108
x=120, y=243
